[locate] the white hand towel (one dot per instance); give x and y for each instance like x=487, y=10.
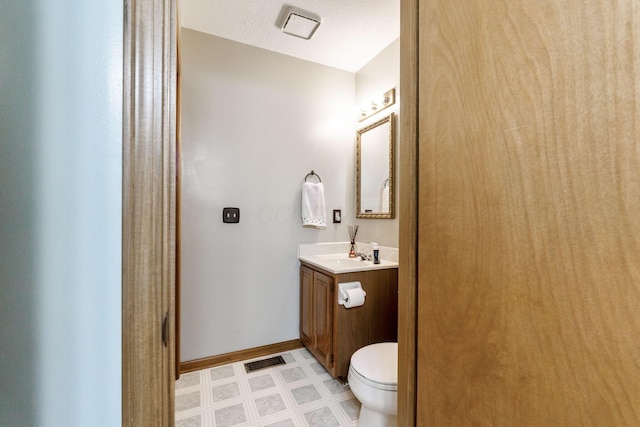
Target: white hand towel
x=384, y=199
x=313, y=207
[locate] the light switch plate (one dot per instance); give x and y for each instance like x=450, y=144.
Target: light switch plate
x=231, y=215
x=337, y=216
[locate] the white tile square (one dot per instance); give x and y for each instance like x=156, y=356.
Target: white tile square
x=225, y=392
x=261, y=382
x=188, y=401
x=270, y=404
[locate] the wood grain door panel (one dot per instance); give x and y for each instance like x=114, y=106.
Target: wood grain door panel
x=529, y=213
x=306, y=307
x=323, y=316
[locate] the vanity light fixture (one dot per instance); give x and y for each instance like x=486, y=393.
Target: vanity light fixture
x=378, y=103
x=300, y=23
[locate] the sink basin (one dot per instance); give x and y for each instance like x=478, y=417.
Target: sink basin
x=347, y=262
x=341, y=263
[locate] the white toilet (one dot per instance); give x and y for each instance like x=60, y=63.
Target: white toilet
x=373, y=378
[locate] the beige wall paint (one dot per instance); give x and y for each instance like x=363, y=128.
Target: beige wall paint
x=379, y=75
x=255, y=123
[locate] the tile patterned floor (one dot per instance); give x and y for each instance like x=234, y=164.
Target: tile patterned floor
x=299, y=393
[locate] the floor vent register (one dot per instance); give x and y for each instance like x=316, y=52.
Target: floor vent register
x=264, y=363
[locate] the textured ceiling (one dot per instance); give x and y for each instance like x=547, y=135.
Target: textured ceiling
x=352, y=32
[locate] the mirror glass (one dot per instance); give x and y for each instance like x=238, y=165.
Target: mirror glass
x=374, y=166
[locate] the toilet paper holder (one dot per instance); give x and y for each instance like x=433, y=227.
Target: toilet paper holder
x=343, y=287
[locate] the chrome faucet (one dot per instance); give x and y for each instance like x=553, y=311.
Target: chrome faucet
x=364, y=257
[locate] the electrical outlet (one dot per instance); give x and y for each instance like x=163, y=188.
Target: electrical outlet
x=231, y=215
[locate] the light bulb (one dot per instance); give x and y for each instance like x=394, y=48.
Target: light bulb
x=378, y=99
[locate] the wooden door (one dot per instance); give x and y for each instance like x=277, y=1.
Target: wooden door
x=323, y=316
x=528, y=213
x=306, y=306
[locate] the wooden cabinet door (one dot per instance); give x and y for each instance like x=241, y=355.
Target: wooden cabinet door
x=529, y=213
x=306, y=307
x=323, y=316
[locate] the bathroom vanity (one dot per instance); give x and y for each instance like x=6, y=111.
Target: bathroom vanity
x=331, y=332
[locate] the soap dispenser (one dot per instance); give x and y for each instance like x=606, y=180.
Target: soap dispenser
x=376, y=253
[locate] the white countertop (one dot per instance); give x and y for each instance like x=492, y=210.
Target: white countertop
x=334, y=257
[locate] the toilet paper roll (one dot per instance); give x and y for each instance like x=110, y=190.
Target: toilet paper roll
x=355, y=297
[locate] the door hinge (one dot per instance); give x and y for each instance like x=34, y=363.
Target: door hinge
x=165, y=329
x=331, y=359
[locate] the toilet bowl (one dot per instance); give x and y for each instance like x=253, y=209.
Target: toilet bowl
x=373, y=379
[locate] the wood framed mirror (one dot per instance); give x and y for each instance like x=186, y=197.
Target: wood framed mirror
x=374, y=169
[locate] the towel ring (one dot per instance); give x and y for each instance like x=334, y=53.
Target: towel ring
x=312, y=173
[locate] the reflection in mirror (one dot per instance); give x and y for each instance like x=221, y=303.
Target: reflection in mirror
x=374, y=165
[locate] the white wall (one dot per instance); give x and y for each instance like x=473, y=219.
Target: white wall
x=60, y=208
x=379, y=75
x=254, y=124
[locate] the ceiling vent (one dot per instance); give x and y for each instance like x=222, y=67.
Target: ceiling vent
x=300, y=23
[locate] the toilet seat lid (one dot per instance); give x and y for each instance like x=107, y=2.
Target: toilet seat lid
x=377, y=362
